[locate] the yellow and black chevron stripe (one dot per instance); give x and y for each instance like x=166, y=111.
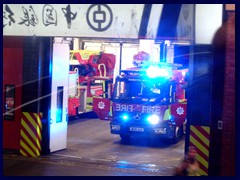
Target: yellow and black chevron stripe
x=31, y=134
x=199, y=138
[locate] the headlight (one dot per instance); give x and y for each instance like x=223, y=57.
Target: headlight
x=153, y=119
x=125, y=117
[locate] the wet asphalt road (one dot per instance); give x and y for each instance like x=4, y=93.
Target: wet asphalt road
x=93, y=151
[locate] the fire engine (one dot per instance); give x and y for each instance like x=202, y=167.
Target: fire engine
x=146, y=100
x=89, y=71
x=73, y=94
x=91, y=63
x=149, y=100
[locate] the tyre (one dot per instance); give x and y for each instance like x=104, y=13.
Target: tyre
x=179, y=132
x=175, y=134
x=172, y=132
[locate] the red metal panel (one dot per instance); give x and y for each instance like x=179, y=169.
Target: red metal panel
x=102, y=108
x=12, y=75
x=178, y=111
x=73, y=102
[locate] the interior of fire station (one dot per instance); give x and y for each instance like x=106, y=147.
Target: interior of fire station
x=34, y=88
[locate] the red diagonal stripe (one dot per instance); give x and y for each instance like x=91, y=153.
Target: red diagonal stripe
x=203, y=156
x=27, y=121
x=36, y=120
x=200, y=152
x=29, y=124
x=22, y=149
x=198, y=139
x=202, y=131
x=24, y=118
x=34, y=141
x=201, y=166
x=30, y=147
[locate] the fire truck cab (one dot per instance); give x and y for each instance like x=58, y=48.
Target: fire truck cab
x=149, y=101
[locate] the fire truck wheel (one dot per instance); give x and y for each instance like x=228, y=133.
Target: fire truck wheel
x=178, y=133
x=125, y=138
x=174, y=134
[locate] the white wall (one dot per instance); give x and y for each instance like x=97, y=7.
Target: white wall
x=208, y=18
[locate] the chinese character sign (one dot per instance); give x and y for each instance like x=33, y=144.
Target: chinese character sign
x=75, y=20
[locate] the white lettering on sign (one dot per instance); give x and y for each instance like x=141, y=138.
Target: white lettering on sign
x=124, y=107
x=151, y=109
x=142, y=109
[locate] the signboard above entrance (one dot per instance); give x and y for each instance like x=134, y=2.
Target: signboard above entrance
x=187, y=22
x=80, y=20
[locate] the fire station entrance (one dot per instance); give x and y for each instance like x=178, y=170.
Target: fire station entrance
x=36, y=102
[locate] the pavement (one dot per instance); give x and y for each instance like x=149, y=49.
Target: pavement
x=15, y=164
x=95, y=152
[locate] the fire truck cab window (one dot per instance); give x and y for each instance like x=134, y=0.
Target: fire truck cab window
x=119, y=91
x=141, y=91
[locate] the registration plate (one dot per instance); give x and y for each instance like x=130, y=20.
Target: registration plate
x=136, y=129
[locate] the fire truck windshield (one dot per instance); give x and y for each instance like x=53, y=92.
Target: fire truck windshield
x=142, y=91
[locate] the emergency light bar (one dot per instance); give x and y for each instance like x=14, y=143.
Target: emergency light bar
x=133, y=72
x=155, y=71
x=168, y=65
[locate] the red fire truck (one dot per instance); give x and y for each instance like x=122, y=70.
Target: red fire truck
x=73, y=94
x=149, y=101
x=146, y=100
x=91, y=63
x=89, y=72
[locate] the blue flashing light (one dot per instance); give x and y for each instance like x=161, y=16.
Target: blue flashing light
x=183, y=73
x=125, y=117
x=155, y=71
x=153, y=119
x=163, y=72
x=59, y=115
x=122, y=164
x=171, y=118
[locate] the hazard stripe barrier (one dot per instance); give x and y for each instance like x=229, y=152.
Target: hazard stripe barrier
x=31, y=134
x=199, y=138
